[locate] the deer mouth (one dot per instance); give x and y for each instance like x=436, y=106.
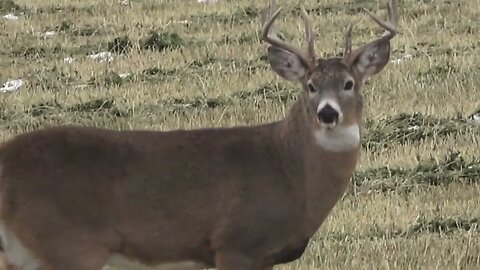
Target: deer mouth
x=328, y=126
x=328, y=116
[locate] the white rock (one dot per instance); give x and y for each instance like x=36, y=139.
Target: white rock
x=102, y=56
x=10, y=17
x=124, y=75
x=12, y=85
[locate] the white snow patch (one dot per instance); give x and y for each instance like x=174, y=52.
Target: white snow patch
x=11, y=17
x=184, y=22
x=12, y=86
x=80, y=86
x=49, y=34
x=474, y=119
x=207, y=1
x=413, y=128
x=68, y=60
x=402, y=59
x=102, y=56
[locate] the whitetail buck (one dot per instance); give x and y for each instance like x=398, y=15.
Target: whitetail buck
x=230, y=198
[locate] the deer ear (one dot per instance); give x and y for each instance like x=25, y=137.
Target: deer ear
x=286, y=64
x=371, y=58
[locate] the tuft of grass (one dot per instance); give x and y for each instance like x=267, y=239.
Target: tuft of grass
x=93, y=105
x=161, y=41
x=442, y=225
x=451, y=168
x=42, y=108
x=29, y=53
x=436, y=225
x=9, y=6
x=410, y=128
x=120, y=45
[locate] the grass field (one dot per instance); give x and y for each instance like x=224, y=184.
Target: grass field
x=414, y=202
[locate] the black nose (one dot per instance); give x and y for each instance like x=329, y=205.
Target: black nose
x=328, y=115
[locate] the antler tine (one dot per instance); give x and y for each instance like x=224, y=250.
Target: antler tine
x=392, y=6
x=274, y=41
x=309, y=34
x=273, y=6
x=390, y=24
x=266, y=12
x=348, y=38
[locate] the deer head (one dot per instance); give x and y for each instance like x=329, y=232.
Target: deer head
x=333, y=84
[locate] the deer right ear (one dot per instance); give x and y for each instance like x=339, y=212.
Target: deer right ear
x=286, y=64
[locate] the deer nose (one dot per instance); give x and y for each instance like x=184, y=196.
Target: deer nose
x=328, y=115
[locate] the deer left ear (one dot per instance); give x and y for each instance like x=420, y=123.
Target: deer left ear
x=371, y=58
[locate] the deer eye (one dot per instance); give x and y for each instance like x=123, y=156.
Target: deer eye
x=348, y=86
x=311, y=88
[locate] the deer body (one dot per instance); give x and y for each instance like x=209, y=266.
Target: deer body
x=230, y=198
x=270, y=210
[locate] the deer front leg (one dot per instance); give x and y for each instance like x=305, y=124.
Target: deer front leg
x=236, y=261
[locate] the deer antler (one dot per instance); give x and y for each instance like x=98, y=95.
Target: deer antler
x=307, y=58
x=265, y=14
x=348, y=39
x=389, y=26
x=392, y=18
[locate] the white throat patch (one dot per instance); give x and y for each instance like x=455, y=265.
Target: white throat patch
x=338, y=139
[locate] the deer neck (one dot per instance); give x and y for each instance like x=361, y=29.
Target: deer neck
x=324, y=171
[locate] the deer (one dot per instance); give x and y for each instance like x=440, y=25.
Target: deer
x=232, y=198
